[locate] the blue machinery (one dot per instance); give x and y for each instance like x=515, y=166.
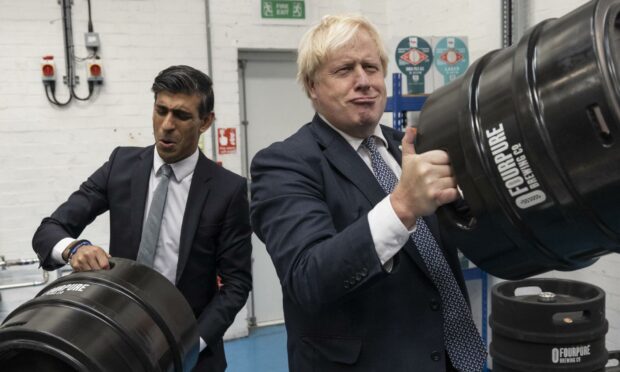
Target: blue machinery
x=398, y=105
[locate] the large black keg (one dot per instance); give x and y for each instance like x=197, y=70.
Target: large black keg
x=532, y=133
x=558, y=325
x=128, y=318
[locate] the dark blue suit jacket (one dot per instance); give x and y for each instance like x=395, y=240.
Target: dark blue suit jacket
x=215, y=235
x=310, y=198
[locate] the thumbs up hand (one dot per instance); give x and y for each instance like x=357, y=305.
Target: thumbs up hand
x=426, y=183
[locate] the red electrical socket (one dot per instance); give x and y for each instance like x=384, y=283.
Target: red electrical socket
x=48, y=68
x=94, y=71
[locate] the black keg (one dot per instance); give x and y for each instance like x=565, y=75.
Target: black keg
x=548, y=325
x=128, y=318
x=532, y=133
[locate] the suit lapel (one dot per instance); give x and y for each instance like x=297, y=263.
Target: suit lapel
x=393, y=139
x=198, y=191
x=347, y=161
x=139, y=192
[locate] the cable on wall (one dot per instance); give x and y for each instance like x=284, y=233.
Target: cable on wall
x=94, y=71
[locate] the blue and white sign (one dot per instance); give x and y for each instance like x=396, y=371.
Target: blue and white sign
x=451, y=57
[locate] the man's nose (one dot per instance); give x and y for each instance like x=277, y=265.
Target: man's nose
x=168, y=122
x=362, y=79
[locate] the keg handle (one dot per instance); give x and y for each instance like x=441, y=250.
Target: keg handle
x=459, y=214
x=614, y=355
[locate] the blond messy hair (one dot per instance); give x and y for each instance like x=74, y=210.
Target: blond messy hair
x=329, y=35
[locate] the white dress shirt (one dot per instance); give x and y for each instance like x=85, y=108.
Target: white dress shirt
x=167, y=252
x=388, y=232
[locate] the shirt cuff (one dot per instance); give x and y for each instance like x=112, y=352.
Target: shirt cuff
x=388, y=232
x=59, y=248
x=203, y=345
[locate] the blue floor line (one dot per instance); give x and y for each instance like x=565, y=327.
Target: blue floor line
x=264, y=350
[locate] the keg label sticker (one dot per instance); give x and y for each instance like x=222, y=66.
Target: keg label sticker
x=73, y=287
x=514, y=169
x=569, y=355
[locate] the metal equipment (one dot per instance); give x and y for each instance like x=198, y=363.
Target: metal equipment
x=4, y=264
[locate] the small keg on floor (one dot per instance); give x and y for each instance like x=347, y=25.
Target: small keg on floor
x=128, y=318
x=548, y=325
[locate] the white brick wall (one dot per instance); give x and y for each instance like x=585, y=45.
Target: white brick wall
x=46, y=151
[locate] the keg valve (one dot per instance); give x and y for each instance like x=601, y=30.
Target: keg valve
x=547, y=297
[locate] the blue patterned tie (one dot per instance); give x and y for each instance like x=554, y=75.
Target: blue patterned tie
x=152, y=225
x=463, y=342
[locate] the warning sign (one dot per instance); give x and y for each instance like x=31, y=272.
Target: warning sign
x=226, y=140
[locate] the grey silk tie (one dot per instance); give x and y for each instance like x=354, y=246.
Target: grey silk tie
x=150, y=230
x=464, y=345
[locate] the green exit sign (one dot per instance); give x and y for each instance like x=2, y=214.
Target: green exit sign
x=283, y=9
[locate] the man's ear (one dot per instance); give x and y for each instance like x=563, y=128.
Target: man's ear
x=311, y=84
x=207, y=122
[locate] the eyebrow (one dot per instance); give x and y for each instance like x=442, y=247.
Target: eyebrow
x=175, y=111
x=161, y=105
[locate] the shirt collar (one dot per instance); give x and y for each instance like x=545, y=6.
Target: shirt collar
x=354, y=141
x=181, y=168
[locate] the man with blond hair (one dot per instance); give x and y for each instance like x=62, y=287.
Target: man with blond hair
x=349, y=223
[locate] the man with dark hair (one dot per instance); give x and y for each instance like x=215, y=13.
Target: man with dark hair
x=202, y=228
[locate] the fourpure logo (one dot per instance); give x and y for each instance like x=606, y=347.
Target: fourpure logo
x=569, y=355
x=73, y=287
x=514, y=169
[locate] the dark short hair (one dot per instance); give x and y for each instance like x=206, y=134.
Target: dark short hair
x=186, y=80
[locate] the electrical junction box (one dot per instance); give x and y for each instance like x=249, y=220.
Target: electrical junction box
x=91, y=39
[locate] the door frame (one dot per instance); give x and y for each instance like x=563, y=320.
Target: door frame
x=244, y=56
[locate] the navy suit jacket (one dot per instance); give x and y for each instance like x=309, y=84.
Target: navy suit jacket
x=310, y=198
x=215, y=235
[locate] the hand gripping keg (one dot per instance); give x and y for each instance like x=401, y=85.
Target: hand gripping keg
x=127, y=318
x=532, y=132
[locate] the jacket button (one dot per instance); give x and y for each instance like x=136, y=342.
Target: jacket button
x=434, y=305
x=358, y=277
x=347, y=284
x=435, y=356
x=364, y=272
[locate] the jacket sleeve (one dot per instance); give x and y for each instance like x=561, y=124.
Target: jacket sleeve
x=293, y=212
x=72, y=216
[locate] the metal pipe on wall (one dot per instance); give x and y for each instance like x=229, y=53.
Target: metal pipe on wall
x=210, y=72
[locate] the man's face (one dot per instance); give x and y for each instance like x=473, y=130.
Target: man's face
x=349, y=88
x=177, y=125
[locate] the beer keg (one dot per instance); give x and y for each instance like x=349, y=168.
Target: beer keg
x=558, y=325
x=532, y=132
x=127, y=318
